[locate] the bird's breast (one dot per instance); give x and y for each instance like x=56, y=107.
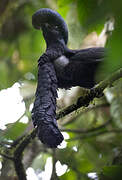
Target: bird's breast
x=61, y=62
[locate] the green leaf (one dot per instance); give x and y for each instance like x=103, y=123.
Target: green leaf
x=15, y=130
x=69, y=175
x=114, y=172
x=114, y=95
x=91, y=14
x=40, y=161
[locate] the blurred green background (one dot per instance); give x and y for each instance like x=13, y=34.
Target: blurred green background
x=93, y=150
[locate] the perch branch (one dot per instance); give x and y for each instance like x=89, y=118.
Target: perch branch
x=84, y=110
x=93, y=93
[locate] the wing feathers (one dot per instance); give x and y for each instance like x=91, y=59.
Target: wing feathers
x=89, y=55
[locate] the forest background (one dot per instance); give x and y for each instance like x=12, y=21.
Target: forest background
x=92, y=148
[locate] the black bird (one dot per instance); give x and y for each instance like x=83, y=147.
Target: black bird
x=59, y=67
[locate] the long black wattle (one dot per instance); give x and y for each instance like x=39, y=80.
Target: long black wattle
x=44, y=110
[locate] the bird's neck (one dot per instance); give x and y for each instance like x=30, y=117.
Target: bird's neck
x=59, y=46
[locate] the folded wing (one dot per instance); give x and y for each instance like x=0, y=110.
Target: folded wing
x=83, y=65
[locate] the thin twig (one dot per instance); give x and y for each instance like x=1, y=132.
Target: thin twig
x=17, y=141
x=7, y=157
x=86, y=130
x=85, y=136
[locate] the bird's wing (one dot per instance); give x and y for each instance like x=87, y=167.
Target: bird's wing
x=89, y=55
x=82, y=67
x=44, y=110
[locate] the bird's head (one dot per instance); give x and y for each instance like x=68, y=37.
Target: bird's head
x=52, y=24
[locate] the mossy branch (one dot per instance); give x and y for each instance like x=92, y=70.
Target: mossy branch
x=95, y=92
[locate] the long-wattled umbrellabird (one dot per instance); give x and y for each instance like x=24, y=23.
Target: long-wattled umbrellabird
x=58, y=67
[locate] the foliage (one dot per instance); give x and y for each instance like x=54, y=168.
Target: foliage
x=21, y=46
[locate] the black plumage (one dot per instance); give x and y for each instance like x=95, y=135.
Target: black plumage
x=44, y=111
x=58, y=67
